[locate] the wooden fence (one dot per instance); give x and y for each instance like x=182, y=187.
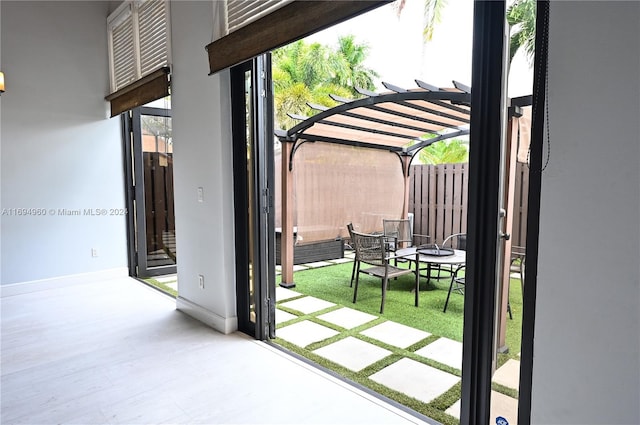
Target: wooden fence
x=438, y=200
x=159, y=203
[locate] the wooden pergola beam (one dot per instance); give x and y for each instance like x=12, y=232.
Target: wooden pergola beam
x=285, y=25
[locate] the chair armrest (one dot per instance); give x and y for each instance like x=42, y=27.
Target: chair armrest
x=391, y=242
x=423, y=239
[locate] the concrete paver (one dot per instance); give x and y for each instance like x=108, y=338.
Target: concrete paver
x=283, y=316
x=285, y=294
x=415, y=379
x=445, y=351
x=304, y=333
x=308, y=305
x=353, y=353
x=508, y=374
x=501, y=405
x=396, y=334
x=347, y=317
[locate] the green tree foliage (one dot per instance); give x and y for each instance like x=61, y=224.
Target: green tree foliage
x=307, y=73
x=445, y=152
x=432, y=15
x=354, y=73
x=521, y=17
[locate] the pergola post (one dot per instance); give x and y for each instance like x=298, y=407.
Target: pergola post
x=509, y=193
x=406, y=162
x=287, y=199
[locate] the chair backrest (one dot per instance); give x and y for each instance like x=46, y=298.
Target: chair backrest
x=456, y=241
x=370, y=249
x=350, y=228
x=398, y=229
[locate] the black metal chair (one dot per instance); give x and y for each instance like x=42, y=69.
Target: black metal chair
x=455, y=241
x=399, y=234
x=353, y=270
x=372, y=250
x=518, y=257
x=457, y=284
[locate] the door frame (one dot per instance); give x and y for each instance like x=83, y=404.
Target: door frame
x=134, y=174
x=263, y=191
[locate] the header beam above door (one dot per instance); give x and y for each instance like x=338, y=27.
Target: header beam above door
x=292, y=22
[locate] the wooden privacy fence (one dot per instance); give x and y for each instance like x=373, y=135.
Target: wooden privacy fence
x=159, y=203
x=438, y=200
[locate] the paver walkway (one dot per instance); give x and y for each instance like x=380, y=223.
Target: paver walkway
x=425, y=380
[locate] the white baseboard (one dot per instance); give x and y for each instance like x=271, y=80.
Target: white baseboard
x=13, y=289
x=219, y=323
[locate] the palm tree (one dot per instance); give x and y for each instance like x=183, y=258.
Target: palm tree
x=521, y=17
x=355, y=73
x=307, y=73
x=432, y=15
x=445, y=152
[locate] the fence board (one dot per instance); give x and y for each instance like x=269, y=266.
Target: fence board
x=440, y=194
x=449, y=176
x=440, y=208
x=431, y=201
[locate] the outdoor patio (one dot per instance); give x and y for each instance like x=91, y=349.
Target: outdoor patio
x=417, y=368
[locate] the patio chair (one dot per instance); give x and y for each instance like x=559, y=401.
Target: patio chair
x=518, y=253
x=353, y=270
x=455, y=241
x=457, y=284
x=372, y=250
x=399, y=234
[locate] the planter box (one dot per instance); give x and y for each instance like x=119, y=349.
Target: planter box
x=314, y=251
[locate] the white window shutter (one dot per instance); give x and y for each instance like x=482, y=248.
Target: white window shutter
x=243, y=12
x=121, y=48
x=138, y=34
x=153, y=27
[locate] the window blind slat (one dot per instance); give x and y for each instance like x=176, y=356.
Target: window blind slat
x=124, y=67
x=153, y=36
x=243, y=12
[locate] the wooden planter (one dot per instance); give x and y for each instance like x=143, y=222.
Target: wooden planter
x=314, y=251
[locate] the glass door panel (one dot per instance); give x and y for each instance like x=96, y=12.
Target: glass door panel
x=155, y=233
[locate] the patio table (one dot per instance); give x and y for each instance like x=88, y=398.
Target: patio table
x=457, y=257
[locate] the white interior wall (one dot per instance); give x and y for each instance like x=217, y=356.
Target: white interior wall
x=586, y=366
x=203, y=158
x=59, y=149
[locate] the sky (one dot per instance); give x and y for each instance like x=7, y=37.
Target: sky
x=399, y=55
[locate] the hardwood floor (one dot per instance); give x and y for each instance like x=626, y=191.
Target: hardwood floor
x=117, y=352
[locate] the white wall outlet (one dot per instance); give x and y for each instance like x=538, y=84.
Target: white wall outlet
x=201, y=281
x=200, y=194
x=94, y=252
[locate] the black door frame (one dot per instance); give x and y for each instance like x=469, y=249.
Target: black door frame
x=263, y=220
x=134, y=189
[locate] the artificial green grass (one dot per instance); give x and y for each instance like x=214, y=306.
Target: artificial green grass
x=331, y=283
x=161, y=286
